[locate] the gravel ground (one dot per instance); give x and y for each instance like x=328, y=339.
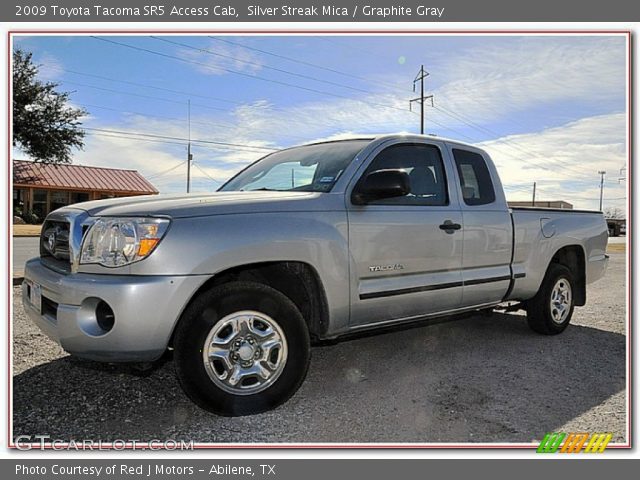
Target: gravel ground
x=479, y=379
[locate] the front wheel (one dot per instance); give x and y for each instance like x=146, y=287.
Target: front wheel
x=241, y=348
x=550, y=311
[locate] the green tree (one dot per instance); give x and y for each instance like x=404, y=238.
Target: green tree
x=45, y=126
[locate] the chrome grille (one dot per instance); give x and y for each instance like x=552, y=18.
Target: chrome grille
x=54, y=240
x=54, y=244
x=61, y=238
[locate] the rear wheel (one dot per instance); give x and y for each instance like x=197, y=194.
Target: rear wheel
x=550, y=311
x=241, y=348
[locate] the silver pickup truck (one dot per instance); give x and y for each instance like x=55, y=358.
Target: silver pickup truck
x=310, y=243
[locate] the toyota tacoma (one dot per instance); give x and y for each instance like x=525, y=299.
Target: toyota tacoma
x=310, y=243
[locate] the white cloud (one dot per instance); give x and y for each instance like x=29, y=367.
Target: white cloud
x=50, y=68
x=214, y=58
x=490, y=82
x=564, y=161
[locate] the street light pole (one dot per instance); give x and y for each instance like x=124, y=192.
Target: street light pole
x=602, y=173
x=189, y=155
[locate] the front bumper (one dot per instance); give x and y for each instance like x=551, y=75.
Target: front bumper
x=146, y=309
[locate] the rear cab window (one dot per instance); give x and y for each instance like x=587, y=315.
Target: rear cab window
x=475, y=180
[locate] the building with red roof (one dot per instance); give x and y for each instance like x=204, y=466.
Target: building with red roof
x=44, y=187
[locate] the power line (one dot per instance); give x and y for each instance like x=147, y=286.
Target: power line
x=149, y=97
x=164, y=172
x=173, y=118
x=168, y=137
x=164, y=117
x=301, y=62
x=507, y=142
x=145, y=85
x=239, y=73
x=235, y=102
x=243, y=74
x=513, y=145
x=110, y=90
x=106, y=135
x=206, y=174
x=325, y=125
x=486, y=104
x=260, y=65
x=475, y=126
x=154, y=115
x=169, y=142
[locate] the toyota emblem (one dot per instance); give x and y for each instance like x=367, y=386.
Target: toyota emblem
x=51, y=240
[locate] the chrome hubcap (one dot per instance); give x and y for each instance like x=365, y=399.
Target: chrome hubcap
x=560, y=300
x=245, y=352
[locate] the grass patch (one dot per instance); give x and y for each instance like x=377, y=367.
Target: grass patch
x=617, y=248
x=26, y=230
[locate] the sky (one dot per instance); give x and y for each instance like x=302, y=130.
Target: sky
x=549, y=109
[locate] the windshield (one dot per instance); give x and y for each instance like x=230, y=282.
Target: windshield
x=311, y=168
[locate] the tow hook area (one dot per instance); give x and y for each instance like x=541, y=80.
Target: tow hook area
x=145, y=369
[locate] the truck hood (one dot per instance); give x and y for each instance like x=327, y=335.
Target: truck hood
x=194, y=205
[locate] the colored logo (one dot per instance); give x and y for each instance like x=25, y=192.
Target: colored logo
x=574, y=442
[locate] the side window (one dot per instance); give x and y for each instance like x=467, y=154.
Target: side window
x=475, y=180
x=424, y=165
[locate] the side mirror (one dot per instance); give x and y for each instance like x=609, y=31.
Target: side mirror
x=381, y=184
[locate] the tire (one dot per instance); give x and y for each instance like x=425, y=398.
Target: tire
x=226, y=343
x=544, y=318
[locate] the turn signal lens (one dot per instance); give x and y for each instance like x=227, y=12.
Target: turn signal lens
x=147, y=245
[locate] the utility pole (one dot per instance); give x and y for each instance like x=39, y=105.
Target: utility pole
x=533, y=202
x=602, y=173
x=189, y=156
x=422, y=74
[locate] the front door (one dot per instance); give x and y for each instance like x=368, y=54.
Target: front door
x=405, y=261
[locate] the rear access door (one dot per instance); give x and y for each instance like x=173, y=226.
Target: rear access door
x=488, y=231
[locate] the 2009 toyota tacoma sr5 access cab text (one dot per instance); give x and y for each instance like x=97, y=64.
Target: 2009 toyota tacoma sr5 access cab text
x=309, y=243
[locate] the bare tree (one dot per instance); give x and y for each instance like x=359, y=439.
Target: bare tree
x=614, y=212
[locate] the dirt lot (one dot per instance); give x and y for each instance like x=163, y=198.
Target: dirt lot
x=480, y=379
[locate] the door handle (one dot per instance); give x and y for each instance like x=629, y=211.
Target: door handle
x=449, y=227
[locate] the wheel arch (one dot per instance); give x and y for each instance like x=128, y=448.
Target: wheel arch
x=299, y=281
x=573, y=257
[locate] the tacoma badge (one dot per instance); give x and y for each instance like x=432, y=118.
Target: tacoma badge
x=385, y=268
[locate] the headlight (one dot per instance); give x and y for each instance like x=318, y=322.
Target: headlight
x=114, y=242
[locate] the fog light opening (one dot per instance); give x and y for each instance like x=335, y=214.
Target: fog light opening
x=105, y=316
